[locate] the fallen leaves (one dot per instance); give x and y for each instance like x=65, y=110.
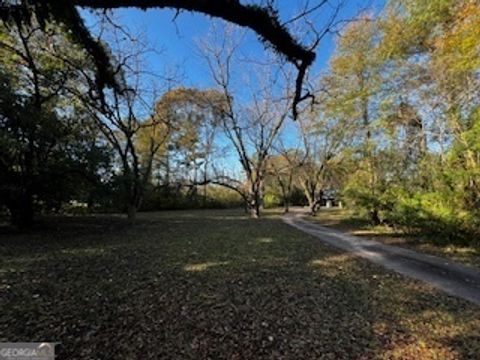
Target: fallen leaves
x=184, y=285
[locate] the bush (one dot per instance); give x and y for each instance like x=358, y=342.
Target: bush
x=271, y=200
x=432, y=214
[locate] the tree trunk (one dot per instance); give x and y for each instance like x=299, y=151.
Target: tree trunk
x=375, y=217
x=131, y=213
x=255, y=199
x=246, y=206
x=255, y=210
x=312, y=201
x=134, y=203
x=254, y=204
x=313, y=206
x=205, y=190
x=21, y=210
x=286, y=199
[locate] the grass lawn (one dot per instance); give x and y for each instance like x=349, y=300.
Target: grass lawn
x=217, y=285
x=346, y=221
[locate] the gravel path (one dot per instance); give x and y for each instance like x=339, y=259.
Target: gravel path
x=455, y=279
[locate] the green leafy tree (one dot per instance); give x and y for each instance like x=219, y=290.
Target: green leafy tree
x=43, y=147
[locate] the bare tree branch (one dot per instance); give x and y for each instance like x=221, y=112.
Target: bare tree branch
x=263, y=20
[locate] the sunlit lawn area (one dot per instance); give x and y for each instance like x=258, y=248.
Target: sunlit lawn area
x=217, y=285
x=347, y=221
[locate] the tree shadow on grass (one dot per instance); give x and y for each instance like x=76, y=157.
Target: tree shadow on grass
x=184, y=287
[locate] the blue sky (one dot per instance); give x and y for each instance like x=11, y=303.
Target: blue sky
x=177, y=38
x=177, y=41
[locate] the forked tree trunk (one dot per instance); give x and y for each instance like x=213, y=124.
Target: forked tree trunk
x=312, y=202
x=313, y=208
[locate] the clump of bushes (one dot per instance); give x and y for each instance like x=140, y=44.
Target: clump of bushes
x=434, y=215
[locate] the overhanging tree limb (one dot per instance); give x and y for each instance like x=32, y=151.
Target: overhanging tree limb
x=263, y=20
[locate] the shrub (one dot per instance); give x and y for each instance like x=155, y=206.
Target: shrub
x=271, y=200
x=432, y=214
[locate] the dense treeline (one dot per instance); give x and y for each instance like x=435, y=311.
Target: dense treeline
x=64, y=147
x=395, y=129
x=408, y=82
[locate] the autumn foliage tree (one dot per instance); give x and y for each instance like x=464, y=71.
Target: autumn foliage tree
x=413, y=74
